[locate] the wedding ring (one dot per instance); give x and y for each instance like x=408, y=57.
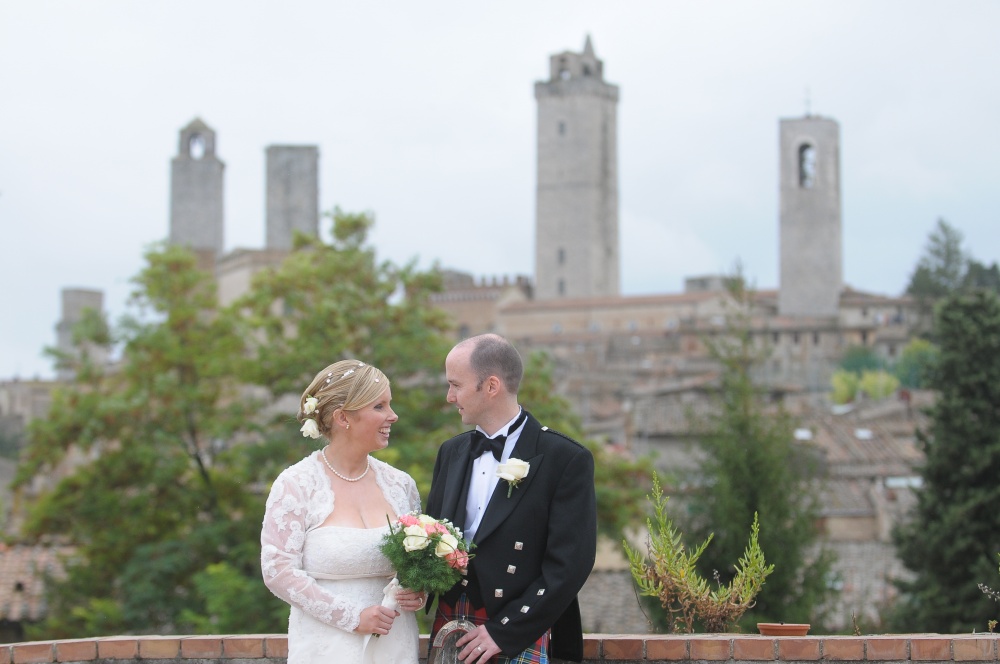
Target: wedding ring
x=479, y=648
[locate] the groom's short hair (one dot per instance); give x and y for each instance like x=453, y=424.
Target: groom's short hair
x=492, y=355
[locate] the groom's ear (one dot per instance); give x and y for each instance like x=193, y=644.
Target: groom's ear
x=493, y=386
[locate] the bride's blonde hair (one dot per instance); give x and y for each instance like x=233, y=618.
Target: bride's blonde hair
x=348, y=384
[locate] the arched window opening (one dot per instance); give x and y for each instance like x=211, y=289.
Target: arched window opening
x=196, y=146
x=807, y=166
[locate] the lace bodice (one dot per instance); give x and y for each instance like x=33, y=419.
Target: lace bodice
x=301, y=499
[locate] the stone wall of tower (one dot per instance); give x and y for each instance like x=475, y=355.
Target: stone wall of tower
x=576, y=225
x=196, y=179
x=75, y=301
x=292, y=193
x=811, y=268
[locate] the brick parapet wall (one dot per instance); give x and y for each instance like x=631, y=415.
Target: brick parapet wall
x=620, y=648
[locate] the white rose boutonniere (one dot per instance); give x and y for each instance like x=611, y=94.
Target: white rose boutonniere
x=513, y=472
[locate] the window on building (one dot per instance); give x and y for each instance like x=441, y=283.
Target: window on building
x=795, y=338
x=807, y=166
x=864, y=337
x=815, y=338
x=196, y=146
x=775, y=337
x=561, y=256
x=562, y=287
x=562, y=128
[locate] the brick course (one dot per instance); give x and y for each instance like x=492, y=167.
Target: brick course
x=621, y=648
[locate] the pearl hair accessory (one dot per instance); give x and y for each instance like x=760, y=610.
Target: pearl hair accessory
x=329, y=376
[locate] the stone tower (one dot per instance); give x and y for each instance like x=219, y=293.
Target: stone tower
x=75, y=301
x=811, y=275
x=292, y=193
x=576, y=216
x=196, y=218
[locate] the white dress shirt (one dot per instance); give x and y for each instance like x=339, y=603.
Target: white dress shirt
x=484, y=479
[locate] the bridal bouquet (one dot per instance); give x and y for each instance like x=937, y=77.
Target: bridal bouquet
x=429, y=554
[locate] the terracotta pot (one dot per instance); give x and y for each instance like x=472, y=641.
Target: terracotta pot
x=783, y=629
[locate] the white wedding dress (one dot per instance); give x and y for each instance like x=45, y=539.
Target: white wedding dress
x=329, y=574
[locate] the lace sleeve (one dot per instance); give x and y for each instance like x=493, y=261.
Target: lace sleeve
x=290, y=510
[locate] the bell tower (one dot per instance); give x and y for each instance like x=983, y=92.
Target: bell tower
x=196, y=217
x=811, y=270
x=576, y=214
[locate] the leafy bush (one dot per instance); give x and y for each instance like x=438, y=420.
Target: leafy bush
x=670, y=575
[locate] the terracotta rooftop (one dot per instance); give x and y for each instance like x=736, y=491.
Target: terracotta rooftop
x=21, y=580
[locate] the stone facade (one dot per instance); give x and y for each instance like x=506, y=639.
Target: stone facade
x=76, y=301
x=196, y=183
x=576, y=220
x=810, y=224
x=292, y=193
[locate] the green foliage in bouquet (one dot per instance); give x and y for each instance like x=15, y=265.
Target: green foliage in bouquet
x=428, y=555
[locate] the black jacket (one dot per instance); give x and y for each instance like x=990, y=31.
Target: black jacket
x=535, y=549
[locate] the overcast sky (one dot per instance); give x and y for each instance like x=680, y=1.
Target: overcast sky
x=424, y=113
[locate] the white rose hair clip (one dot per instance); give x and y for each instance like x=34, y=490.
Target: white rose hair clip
x=310, y=429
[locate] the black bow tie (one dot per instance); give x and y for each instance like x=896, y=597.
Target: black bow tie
x=480, y=443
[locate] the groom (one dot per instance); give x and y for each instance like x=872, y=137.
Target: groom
x=536, y=537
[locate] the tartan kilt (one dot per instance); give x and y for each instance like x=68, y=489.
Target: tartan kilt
x=536, y=654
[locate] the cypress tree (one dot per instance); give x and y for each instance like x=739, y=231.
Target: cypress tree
x=952, y=541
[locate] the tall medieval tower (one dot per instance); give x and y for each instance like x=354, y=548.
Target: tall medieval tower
x=576, y=216
x=292, y=193
x=196, y=218
x=811, y=275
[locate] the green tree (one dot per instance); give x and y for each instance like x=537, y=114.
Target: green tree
x=845, y=386
x=752, y=465
x=981, y=277
x=330, y=301
x=940, y=271
x=954, y=534
x=878, y=384
x=916, y=361
x=151, y=501
x=942, y=267
x=858, y=359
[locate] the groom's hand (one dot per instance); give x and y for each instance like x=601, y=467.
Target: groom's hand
x=479, y=646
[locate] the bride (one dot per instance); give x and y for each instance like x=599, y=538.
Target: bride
x=324, y=520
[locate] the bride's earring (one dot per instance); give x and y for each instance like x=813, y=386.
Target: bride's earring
x=348, y=427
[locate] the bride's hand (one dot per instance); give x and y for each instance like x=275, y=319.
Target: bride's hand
x=376, y=620
x=410, y=600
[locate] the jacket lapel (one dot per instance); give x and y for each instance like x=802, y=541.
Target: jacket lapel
x=500, y=506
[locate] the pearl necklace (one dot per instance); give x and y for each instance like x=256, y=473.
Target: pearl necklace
x=368, y=466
